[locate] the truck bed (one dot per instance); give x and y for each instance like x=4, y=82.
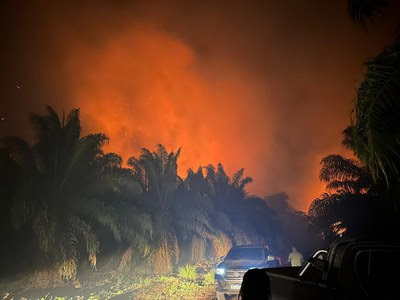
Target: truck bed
x=285, y=284
x=289, y=272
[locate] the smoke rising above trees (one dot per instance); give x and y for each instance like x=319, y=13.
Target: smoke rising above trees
x=202, y=75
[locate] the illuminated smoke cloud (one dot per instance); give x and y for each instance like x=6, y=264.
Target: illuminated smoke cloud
x=263, y=85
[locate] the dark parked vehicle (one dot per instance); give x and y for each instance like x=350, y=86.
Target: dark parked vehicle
x=230, y=271
x=349, y=269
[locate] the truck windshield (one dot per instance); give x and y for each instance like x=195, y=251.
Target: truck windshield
x=245, y=253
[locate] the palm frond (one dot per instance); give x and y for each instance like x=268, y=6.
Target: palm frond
x=44, y=225
x=245, y=181
x=18, y=150
x=319, y=206
x=86, y=150
x=348, y=138
x=77, y=225
x=237, y=177
x=210, y=171
x=360, y=10
x=336, y=167
x=221, y=172
x=196, y=182
x=137, y=228
x=72, y=131
x=46, y=126
x=111, y=161
x=223, y=222
x=345, y=186
x=102, y=213
x=193, y=213
x=25, y=203
x=376, y=113
x=67, y=256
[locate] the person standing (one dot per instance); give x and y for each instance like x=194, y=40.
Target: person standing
x=295, y=258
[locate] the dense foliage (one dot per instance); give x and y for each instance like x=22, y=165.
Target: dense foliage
x=64, y=203
x=69, y=202
x=363, y=196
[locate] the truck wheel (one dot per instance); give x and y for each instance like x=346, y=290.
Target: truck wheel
x=220, y=296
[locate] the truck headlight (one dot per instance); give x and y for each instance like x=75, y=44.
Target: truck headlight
x=220, y=271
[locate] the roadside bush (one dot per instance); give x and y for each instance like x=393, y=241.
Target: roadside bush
x=208, y=278
x=178, y=289
x=187, y=272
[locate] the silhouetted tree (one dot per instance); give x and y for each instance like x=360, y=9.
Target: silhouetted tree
x=180, y=209
x=343, y=175
x=375, y=129
x=58, y=190
x=350, y=203
x=195, y=218
x=247, y=219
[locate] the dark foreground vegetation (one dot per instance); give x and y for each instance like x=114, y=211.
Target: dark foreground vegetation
x=363, y=194
x=74, y=217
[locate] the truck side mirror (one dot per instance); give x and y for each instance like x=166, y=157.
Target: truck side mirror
x=319, y=263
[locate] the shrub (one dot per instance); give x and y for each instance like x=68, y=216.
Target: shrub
x=181, y=290
x=187, y=272
x=208, y=278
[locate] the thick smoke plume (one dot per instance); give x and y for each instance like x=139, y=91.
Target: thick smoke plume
x=266, y=86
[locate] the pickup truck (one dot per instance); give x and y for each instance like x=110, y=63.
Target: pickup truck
x=349, y=269
x=229, y=273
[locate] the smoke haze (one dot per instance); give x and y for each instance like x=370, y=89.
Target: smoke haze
x=263, y=85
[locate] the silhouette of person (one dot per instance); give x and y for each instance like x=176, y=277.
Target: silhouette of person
x=295, y=258
x=255, y=286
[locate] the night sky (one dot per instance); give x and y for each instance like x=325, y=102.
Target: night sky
x=264, y=85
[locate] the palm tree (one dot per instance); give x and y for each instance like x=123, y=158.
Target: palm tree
x=375, y=130
x=157, y=175
x=350, y=201
x=376, y=110
x=343, y=175
x=246, y=219
x=182, y=210
x=375, y=116
x=119, y=191
x=228, y=194
x=58, y=190
x=211, y=233
x=337, y=215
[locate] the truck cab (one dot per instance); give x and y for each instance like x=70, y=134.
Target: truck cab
x=349, y=269
x=229, y=273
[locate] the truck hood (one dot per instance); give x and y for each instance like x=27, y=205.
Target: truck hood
x=242, y=264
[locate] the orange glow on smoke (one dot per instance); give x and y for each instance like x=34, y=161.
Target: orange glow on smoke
x=145, y=87
x=229, y=81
